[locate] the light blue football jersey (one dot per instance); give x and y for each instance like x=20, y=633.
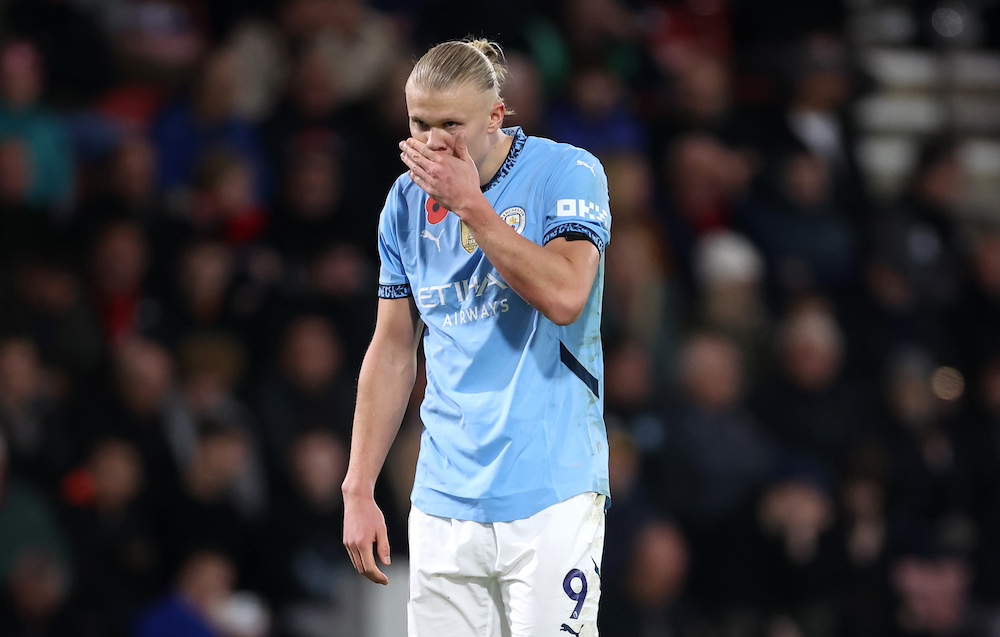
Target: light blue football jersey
x=513, y=413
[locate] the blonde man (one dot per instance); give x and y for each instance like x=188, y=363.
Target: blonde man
x=492, y=250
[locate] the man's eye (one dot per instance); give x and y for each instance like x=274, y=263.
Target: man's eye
x=450, y=124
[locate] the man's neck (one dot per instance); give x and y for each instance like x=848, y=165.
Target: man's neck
x=495, y=157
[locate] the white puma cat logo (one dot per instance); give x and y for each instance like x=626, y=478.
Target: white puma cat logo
x=580, y=162
x=437, y=240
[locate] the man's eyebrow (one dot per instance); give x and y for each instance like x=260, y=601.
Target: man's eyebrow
x=441, y=120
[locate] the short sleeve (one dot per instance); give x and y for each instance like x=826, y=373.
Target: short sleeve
x=577, y=201
x=392, y=280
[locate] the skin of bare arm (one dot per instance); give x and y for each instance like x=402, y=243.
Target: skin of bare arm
x=384, y=385
x=555, y=279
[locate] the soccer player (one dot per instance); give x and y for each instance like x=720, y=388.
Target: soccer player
x=492, y=250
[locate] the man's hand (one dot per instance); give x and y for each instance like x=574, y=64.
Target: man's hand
x=364, y=527
x=449, y=176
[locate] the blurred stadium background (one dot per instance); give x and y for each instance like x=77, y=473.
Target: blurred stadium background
x=802, y=310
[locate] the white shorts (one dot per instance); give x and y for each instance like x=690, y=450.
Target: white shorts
x=531, y=577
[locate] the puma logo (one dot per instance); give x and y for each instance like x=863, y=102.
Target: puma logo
x=566, y=629
x=580, y=162
x=437, y=240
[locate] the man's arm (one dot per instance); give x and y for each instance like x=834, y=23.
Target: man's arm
x=384, y=386
x=555, y=279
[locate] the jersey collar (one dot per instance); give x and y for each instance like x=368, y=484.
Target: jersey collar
x=515, y=149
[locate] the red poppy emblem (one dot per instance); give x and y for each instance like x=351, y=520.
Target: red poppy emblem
x=435, y=211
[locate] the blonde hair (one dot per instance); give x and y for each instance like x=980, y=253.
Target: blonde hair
x=477, y=63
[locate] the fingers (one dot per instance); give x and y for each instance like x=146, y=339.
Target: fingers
x=414, y=145
x=370, y=570
x=416, y=152
x=461, y=145
x=364, y=533
x=355, y=556
x=382, y=546
x=363, y=560
x=442, y=174
x=416, y=162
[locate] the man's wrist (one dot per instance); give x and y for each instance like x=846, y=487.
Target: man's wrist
x=355, y=488
x=475, y=213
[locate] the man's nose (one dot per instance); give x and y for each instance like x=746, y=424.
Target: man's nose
x=437, y=139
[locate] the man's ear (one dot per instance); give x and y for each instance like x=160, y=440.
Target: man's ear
x=496, y=117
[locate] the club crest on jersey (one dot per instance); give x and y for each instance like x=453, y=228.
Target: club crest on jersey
x=515, y=218
x=435, y=211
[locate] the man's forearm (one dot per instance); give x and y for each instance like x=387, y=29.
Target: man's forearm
x=546, y=279
x=384, y=387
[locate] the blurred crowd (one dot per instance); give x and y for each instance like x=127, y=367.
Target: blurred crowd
x=802, y=378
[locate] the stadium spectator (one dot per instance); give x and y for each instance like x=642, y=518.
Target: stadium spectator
x=712, y=463
x=809, y=406
x=203, y=119
x=35, y=566
x=699, y=98
x=34, y=599
x=204, y=295
x=69, y=38
x=119, y=563
x=863, y=533
x=646, y=561
x=47, y=302
x=29, y=422
x=204, y=603
x=119, y=262
x=921, y=236
x=591, y=34
x=311, y=106
x=931, y=582
x=222, y=205
x=203, y=513
x=528, y=95
x=805, y=238
x=309, y=574
x=335, y=285
x=124, y=187
x=929, y=471
x=129, y=400
x=307, y=391
x=315, y=210
x=633, y=402
x=702, y=182
x=641, y=295
x=729, y=274
x=155, y=41
x=24, y=117
x=314, y=116
x=816, y=117
x=212, y=366
x=358, y=42
x=21, y=218
x=800, y=585
x=914, y=264
x=597, y=113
